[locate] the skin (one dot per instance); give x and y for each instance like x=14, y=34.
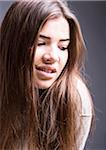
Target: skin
x=52, y=52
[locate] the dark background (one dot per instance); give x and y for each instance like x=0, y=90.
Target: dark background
x=92, y=18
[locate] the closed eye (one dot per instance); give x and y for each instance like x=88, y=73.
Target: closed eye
x=63, y=48
x=41, y=43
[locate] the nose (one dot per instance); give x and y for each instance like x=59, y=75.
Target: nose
x=50, y=57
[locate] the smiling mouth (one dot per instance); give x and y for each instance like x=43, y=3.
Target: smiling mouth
x=46, y=69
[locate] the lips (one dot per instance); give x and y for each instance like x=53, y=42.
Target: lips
x=46, y=69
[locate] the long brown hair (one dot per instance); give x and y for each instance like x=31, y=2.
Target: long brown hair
x=30, y=118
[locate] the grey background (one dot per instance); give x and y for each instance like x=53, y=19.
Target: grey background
x=92, y=18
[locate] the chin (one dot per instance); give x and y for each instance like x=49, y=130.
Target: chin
x=43, y=85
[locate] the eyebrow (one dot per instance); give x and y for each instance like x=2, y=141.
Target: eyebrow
x=48, y=38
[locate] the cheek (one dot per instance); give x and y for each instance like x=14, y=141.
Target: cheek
x=64, y=59
x=38, y=55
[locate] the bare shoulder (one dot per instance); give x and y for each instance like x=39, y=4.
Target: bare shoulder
x=85, y=97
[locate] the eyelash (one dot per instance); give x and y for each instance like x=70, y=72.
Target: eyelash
x=42, y=43
x=61, y=48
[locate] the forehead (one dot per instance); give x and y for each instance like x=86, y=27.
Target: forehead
x=56, y=27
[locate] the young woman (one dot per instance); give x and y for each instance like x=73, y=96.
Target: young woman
x=44, y=102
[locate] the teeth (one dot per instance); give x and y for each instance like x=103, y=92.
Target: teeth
x=45, y=70
x=48, y=71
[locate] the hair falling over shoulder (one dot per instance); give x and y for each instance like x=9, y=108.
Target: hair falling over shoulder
x=29, y=120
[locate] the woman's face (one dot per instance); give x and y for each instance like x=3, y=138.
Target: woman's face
x=51, y=53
